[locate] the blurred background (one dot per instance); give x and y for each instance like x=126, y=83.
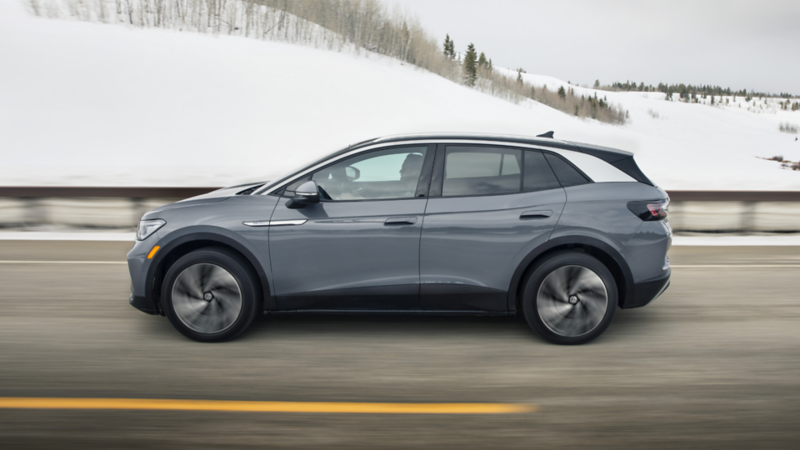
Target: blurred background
x=110, y=108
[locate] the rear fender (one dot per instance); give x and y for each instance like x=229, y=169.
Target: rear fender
x=566, y=242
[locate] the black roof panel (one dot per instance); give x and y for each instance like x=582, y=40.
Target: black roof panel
x=604, y=153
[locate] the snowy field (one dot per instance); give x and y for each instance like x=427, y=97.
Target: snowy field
x=96, y=104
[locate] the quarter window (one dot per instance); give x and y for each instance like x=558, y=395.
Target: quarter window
x=538, y=174
x=566, y=174
x=384, y=174
x=481, y=171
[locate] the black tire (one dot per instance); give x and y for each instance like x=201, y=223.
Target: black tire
x=210, y=295
x=563, y=298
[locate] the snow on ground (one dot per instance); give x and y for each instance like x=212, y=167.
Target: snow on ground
x=95, y=104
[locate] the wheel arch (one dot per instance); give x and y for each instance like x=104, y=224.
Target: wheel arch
x=173, y=249
x=603, y=251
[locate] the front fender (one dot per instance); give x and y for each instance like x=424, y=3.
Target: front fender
x=211, y=234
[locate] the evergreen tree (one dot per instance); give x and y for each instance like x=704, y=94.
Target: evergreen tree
x=482, y=61
x=449, y=48
x=519, y=76
x=596, y=84
x=470, y=65
x=489, y=65
x=562, y=93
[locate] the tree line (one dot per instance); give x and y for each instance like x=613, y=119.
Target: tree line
x=688, y=91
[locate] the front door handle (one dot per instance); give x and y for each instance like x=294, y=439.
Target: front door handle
x=539, y=214
x=400, y=221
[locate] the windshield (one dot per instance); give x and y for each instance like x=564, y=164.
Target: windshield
x=269, y=185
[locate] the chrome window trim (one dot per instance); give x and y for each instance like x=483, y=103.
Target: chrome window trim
x=565, y=153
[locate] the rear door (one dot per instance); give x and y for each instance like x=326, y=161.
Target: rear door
x=488, y=207
x=358, y=249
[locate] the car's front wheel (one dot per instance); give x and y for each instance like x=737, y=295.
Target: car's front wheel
x=570, y=298
x=208, y=295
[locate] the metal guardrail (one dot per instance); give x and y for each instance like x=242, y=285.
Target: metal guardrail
x=185, y=192
x=121, y=207
x=101, y=192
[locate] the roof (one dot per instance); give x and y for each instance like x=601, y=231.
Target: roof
x=605, y=153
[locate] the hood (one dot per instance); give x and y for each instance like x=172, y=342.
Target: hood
x=210, y=197
x=219, y=194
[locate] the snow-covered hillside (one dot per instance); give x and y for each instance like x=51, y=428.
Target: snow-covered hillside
x=96, y=104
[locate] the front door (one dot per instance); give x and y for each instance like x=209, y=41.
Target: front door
x=358, y=249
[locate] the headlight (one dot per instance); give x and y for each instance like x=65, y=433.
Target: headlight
x=148, y=227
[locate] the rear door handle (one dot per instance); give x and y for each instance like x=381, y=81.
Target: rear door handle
x=539, y=214
x=400, y=221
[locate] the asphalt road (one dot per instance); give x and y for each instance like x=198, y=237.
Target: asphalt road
x=713, y=363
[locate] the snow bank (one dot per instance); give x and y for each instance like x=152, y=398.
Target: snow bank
x=96, y=104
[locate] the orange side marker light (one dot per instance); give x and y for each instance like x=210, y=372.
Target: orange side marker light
x=153, y=252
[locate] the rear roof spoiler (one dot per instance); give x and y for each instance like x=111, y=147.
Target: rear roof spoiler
x=620, y=159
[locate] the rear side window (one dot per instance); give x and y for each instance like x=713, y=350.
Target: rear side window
x=538, y=174
x=565, y=173
x=481, y=171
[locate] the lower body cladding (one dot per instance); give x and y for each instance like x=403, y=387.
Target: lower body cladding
x=144, y=304
x=404, y=302
x=399, y=299
x=647, y=291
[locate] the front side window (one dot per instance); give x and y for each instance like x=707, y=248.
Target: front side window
x=384, y=174
x=481, y=171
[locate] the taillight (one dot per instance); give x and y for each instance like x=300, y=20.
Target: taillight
x=650, y=210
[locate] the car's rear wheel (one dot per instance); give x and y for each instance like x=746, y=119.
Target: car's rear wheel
x=209, y=296
x=570, y=298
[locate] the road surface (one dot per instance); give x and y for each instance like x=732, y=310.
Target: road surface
x=713, y=363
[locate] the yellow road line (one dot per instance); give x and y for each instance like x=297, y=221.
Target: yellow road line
x=300, y=407
x=728, y=266
x=63, y=262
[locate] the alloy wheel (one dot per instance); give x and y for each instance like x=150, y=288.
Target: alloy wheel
x=572, y=301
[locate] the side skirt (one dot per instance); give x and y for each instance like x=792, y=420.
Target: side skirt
x=384, y=312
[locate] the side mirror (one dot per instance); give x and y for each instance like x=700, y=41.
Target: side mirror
x=306, y=193
x=352, y=173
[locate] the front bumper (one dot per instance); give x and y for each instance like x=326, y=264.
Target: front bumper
x=144, y=304
x=647, y=291
x=138, y=266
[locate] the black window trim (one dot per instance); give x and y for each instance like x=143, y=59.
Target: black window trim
x=423, y=182
x=277, y=188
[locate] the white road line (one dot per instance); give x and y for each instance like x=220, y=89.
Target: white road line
x=63, y=262
x=675, y=266
x=728, y=266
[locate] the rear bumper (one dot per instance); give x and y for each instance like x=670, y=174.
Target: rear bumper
x=647, y=291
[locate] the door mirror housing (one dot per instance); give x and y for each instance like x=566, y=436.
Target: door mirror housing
x=352, y=173
x=306, y=193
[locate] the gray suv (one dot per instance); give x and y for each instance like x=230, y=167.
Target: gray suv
x=560, y=232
